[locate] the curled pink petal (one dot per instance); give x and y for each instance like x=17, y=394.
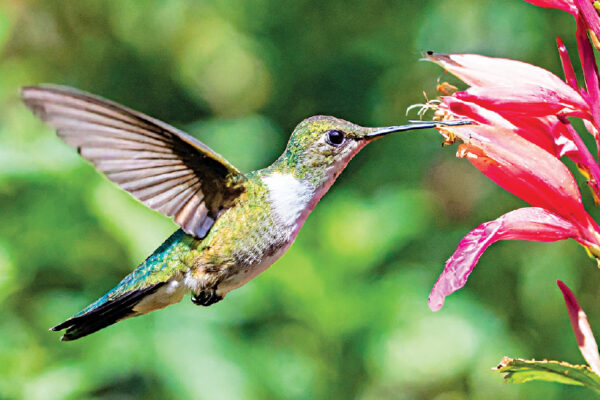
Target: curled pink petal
x=565, y=5
x=581, y=328
x=530, y=223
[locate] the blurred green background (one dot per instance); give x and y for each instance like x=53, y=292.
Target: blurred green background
x=343, y=315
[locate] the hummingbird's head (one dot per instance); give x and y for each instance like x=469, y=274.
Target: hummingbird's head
x=321, y=146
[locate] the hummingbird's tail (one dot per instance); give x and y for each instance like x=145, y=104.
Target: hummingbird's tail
x=104, y=315
x=154, y=284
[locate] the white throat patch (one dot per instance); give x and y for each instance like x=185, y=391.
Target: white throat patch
x=289, y=198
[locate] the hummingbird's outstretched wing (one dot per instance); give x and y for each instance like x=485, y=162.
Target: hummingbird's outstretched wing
x=165, y=168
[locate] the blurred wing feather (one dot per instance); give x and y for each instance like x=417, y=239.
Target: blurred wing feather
x=163, y=167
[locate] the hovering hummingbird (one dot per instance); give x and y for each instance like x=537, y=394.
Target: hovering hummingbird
x=233, y=225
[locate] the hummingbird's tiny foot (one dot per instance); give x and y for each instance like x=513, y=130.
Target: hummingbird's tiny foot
x=206, y=298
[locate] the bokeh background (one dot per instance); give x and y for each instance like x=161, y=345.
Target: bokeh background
x=343, y=315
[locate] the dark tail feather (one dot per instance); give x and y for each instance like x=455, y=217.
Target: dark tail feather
x=104, y=315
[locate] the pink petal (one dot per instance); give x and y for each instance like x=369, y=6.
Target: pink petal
x=478, y=70
x=581, y=328
x=590, y=69
x=590, y=15
x=566, y=63
x=530, y=223
x=523, y=169
x=468, y=110
x=546, y=132
x=550, y=127
x=509, y=86
x=592, y=129
x=565, y=5
x=526, y=99
x=585, y=161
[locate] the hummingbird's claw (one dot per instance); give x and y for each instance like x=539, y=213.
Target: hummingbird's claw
x=206, y=298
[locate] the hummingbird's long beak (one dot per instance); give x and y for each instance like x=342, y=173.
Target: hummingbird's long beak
x=378, y=132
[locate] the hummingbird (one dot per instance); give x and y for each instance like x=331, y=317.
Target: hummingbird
x=233, y=226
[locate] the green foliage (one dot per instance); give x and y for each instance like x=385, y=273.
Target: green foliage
x=344, y=313
x=517, y=370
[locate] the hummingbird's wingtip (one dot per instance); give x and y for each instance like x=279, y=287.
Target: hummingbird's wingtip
x=56, y=328
x=63, y=338
x=23, y=90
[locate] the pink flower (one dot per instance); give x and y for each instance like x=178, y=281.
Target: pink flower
x=531, y=173
x=535, y=107
x=519, y=135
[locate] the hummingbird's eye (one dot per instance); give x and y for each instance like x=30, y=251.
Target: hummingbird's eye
x=335, y=137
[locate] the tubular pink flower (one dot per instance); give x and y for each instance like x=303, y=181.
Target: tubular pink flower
x=531, y=223
x=581, y=328
x=520, y=134
x=534, y=101
x=531, y=173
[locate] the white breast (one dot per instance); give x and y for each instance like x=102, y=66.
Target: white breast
x=290, y=199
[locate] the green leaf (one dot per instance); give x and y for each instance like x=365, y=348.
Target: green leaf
x=518, y=370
